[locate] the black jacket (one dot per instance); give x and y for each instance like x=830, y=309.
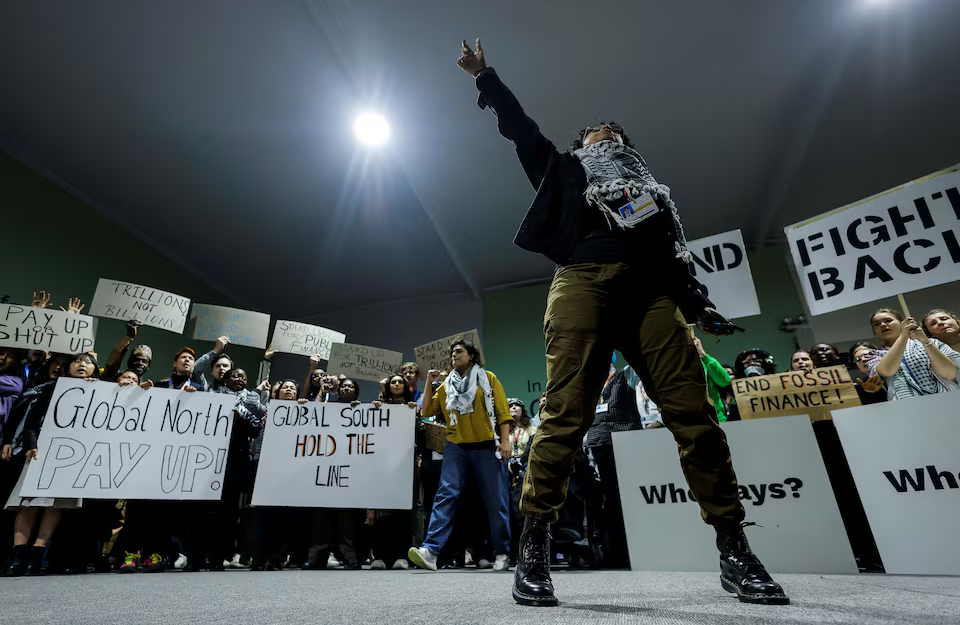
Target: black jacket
x=552, y=224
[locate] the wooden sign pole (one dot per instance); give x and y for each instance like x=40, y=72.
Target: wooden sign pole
x=903, y=305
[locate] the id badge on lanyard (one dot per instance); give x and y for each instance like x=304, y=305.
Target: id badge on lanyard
x=639, y=209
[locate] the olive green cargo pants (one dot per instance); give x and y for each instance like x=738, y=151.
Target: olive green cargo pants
x=593, y=309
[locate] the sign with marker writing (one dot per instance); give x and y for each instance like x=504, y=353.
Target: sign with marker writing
x=814, y=392
x=720, y=264
x=783, y=487
x=363, y=362
x=115, y=299
x=336, y=456
x=901, y=240
x=904, y=461
x=436, y=354
x=46, y=329
x=105, y=441
x=244, y=327
x=293, y=337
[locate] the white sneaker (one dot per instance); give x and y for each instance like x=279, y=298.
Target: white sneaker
x=234, y=563
x=502, y=563
x=401, y=565
x=422, y=557
x=181, y=562
x=484, y=564
x=332, y=562
x=378, y=565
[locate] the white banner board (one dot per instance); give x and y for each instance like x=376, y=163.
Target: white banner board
x=46, y=329
x=115, y=299
x=362, y=362
x=105, y=441
x=720, y=264
x=904, y=460
x=244, y=327
x=322, y=455
x=436, y=354
x=901, y=240
x=783, y=487
x=293, y=337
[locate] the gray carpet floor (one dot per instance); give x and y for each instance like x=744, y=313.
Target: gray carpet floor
x=465, y=596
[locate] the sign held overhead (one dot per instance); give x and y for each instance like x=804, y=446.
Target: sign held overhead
x=116, y=299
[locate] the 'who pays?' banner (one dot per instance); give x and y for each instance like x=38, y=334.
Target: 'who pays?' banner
x=720, y=264
x=363, y=362
x=105, y=441
x=336, y=456
x=293, y=337
x=814, y=392
x=46, y=329
x=243, y=327
x=436, y=354
x=901, y=240
x=115, y=299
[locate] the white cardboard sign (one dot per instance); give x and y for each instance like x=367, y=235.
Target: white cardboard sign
x=901, y=240
x=105, y=441
x=46, y=329
x=720, y=263
x=116, y=299
x=904, y=460
x=436, y=354
x=327, y=455
x=293, y=337
x=783, y=486
x=244, y=327
x=363, y=362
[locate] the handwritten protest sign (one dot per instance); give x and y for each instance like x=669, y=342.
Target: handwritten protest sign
x=293, y=337
x=116, y=299
x=436, y=354
x=898, y=241
x=336, y=456
x=244, y=327
x=47, y=329
x=106, y=441
x=815, y=392
x=363, y=362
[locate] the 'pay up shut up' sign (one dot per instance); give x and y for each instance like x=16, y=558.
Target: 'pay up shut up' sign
x=815, y=392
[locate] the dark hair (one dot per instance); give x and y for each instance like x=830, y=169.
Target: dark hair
x=578, y=142
x=857, y=346
x=355, y=385
x=766, y=361
x=18, y=355
x=84, y=356
x=296, y=388
x=524, y=421
x=387, y=397
x=938, y=311
x=470, y=348
x=218, y=357
x=129, y=371
x=890, y=311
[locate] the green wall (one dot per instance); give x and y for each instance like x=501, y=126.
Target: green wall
x=513, y=327
x=56, y=243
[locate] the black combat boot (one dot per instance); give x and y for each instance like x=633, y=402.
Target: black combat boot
x=741, y=571
x=18, y=562
x=531, y=580
x=35, y=565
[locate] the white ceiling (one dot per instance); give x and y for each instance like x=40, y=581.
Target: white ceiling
x=226, y=125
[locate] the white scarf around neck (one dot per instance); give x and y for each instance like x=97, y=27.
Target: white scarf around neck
x=462, y=391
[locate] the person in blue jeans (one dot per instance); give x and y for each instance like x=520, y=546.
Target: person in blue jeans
x=473, y=403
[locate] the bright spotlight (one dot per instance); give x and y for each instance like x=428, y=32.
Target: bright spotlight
x=371, y=129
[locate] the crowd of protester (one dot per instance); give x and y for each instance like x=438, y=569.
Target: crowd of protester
x=466, y=500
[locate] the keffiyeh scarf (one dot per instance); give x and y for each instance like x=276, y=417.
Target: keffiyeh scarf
x=462, y=391
x=613, y=171
x=915, y=376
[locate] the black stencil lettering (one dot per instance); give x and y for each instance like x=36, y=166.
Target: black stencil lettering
x=876, y=272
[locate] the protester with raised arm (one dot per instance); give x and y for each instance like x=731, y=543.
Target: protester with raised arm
x=139, y=360
x=216, y=361
x=623, y=279
x=910, y=363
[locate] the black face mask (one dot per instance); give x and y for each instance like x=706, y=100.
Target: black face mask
x=753, y=371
